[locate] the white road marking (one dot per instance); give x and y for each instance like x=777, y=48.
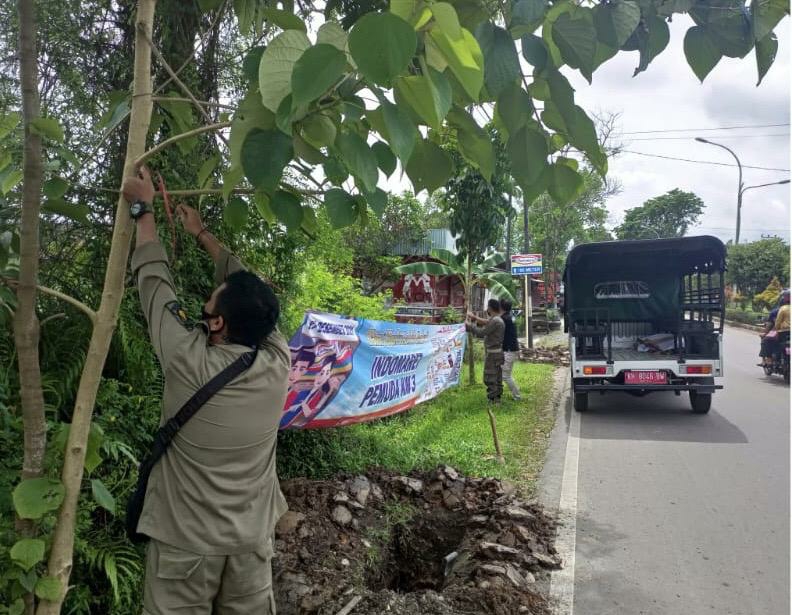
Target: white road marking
x=562, y=582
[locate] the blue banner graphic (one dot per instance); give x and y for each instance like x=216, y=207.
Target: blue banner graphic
x=346, y=371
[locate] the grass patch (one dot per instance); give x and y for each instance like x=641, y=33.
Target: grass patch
x=453, y=428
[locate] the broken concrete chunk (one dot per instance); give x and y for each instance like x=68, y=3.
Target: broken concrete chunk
x=341, y=497
x=450, y=472
x=492, y=569
x=341, y=515
x=548, y=561
x=518, y=514
x=360, y=488
x=494, y=549
x=289, y=522
x=413, y=484
x=515, y=576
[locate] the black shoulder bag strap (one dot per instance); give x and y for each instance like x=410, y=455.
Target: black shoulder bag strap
x=167, y=433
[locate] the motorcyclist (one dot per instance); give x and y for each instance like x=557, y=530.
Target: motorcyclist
x=777, y=330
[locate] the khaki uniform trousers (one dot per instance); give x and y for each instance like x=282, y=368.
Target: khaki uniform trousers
x=493, y=375
x=182, y=583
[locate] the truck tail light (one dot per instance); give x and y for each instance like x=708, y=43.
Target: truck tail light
x=698, y=369
x=591, y=370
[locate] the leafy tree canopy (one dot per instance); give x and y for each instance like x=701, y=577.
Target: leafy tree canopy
x=669, y=215
x=752, y=266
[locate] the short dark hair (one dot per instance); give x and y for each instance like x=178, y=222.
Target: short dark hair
x=494, y=305
x=249, y=307
x=505, y=305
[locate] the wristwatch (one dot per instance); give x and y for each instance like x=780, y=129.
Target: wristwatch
x=138, y=209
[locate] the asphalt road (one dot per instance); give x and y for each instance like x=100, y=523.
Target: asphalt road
x=678, y=513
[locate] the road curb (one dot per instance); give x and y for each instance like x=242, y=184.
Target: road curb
x=742, y=325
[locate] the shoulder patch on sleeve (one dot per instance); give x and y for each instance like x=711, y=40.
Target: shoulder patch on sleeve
x=175, y=308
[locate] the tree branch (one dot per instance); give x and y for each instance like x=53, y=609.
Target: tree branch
x=205, y=103
x=185, y=135
x=183, y=86
x=58, y=295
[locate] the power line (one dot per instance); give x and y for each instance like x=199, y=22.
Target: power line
x=688, y=138
x=646, y=132
x=719, y=164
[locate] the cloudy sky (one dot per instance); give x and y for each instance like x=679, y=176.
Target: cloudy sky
x=669, y=96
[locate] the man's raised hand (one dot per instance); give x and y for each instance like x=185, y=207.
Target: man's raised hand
x=139, y=187
x=190, y=219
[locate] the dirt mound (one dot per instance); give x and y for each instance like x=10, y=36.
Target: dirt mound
x=433, y=543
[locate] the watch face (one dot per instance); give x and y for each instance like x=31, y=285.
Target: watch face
x=135, y=208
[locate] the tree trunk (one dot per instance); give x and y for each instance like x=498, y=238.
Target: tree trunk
x=60, y=560
x=26, y=324
x=469, y=308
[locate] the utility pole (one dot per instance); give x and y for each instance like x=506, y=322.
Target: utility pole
x=527, y=281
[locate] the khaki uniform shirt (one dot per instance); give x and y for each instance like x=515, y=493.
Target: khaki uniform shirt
x=492, y=333
x=782, y=320
x=215, y=491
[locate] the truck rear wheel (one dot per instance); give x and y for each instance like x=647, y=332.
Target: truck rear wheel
x=700, y=402
x=581, y=402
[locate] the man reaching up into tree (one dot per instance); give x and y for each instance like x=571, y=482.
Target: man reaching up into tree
x=213, y=499
x=492, y=331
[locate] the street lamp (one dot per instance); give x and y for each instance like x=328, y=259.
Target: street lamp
x=741, y=188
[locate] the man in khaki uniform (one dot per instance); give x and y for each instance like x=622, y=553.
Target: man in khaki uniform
x=492, y=331
x=213, y=499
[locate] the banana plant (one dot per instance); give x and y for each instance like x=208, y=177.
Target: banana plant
x=483, y=274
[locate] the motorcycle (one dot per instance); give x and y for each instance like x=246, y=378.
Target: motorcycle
x=780, y=364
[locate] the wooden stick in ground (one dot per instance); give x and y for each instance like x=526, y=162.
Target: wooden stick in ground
x=495, y=435
x=350, y=605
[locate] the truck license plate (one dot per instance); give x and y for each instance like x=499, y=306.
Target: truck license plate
x=645, y=377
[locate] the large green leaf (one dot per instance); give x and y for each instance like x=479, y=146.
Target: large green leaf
x=262, y=203
x=250, y=115
x=117, y=110
x=317, y=70
x=500, y=290
x=55, y=187
x=526, y=16
x=401, y=132
x=102, y=496
x=501, y=64
x=331, y=33
x=277, y=64
x=48, y=588
x=358, y=157
x=377, y=200
x=576, y=38
x=286, y=20
x=564, y=184
x=475, y=144
x=561, y=7
x=9, y=178
x=491, y=261
x=286, y=206
x=534, y=51
x=9, y=121
x=340, y=206
x=47, y=127
x=305, y=151
x=77, y=212
x=447, y=20
x=382, y=46
x=386, y=161
x=335, y=171
x=464, y=58
x=650, y=39
x=403, y=8
x=265, y=153
x=27, y=552
x=766, y=50
x=616, y=22
x=765, y=16
x=35, y=497
x=515, y=108
x=428, y=95
x=447, y=257
x=231, y=179
x=430, y=167
x=528, y=154
x=319, y=130
x=701, y=52
x=235, y=213
x=180, y=119
x=424, y=267
x=250, y=65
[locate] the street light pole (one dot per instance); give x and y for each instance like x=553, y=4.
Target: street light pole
x=739, y=187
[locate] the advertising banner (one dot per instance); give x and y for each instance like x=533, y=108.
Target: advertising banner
x=526, y=264
x=348, y=371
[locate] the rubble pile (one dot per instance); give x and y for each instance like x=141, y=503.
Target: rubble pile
x=555, y=355
x=431, y=543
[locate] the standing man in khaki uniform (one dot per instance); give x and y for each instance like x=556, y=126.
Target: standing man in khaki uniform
x=214, y=498
x=492, y=330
